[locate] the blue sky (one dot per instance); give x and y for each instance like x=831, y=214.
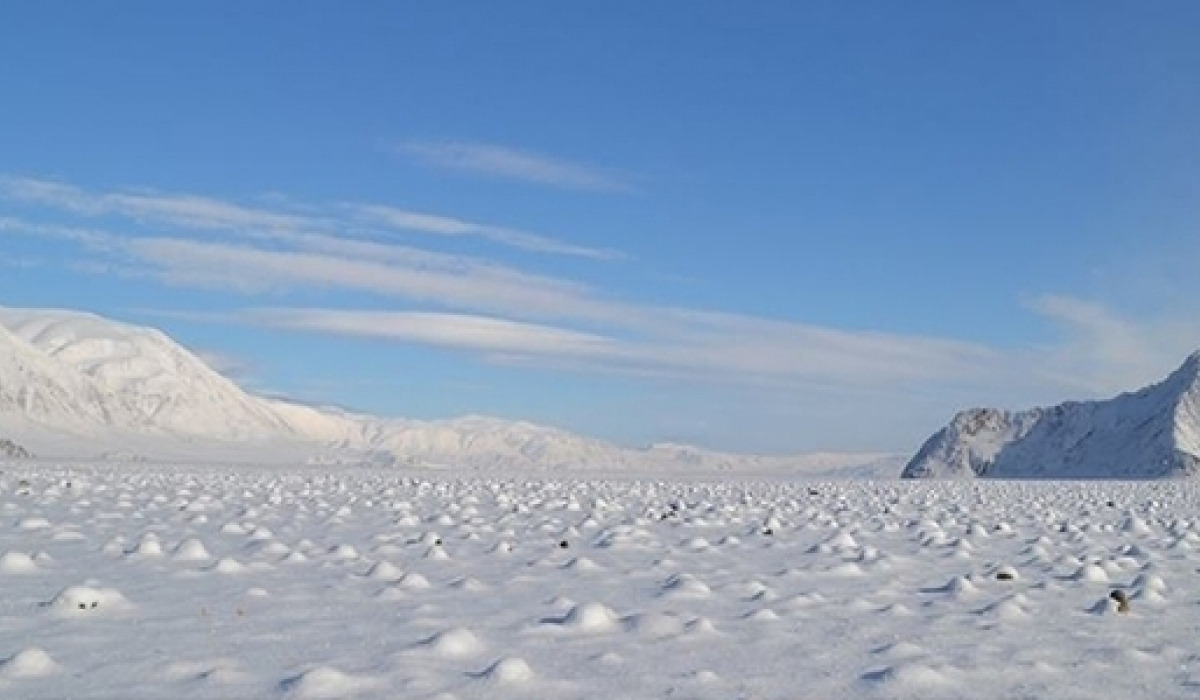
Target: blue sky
x=772, y=226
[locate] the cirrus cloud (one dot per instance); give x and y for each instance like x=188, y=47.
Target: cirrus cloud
x=513, y=164
x=506, y=314
x=347, y=221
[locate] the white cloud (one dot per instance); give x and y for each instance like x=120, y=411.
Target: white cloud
x=446, y=226
x=654, y=339
x=586, y=331
x=1103, y=352
x=683, y=345
x=88, y=238
x=181, y=210
x=507, y=314
x=206, y=213
x=459, y=331
x=413, y=275
x=513, y=164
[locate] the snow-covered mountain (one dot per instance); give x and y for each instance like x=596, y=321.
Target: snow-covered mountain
x=79, y=371
x=1149, y=434
x=77, y=385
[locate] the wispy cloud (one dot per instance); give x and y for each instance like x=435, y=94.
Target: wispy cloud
x=1103, y=352
x=513, y=164
x=181, y=210
x=88, y=238
x=346, y=222
x=722, y=348
x=405, y=220
x=458, y=331
x=498, y=311
x=504, y=313
x=426, y=278
x=639, y=337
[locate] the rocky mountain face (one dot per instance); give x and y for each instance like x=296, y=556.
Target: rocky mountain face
x=1149, y=434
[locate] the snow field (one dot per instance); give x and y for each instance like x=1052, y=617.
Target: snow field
x=145, y=582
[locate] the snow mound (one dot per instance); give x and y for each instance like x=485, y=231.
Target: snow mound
x=685, y=586
x=148, y=546
x=33, y=524
x=413, y=582
x=1091, y=573
x=192, y=549
x=228, y=565
x=384, y=571
x=326, y=682
x=589, y=617
x=509, y=670
x=583, y=564
x=17, y=563
x=911, y=675
x=30, y=662
x=456, y=642
x=85, y=601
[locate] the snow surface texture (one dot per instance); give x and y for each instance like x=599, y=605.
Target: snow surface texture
x=136, y=581
x=75, y=385
x=1152, y=433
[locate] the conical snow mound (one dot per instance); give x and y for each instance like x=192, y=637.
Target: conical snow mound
x=1149, y=434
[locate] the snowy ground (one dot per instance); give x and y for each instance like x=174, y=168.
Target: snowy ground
x=180, y=582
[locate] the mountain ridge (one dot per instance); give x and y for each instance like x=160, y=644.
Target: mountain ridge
x=1150, y=433
x=75, y=384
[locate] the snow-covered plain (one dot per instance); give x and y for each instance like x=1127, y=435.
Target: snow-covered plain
x=139, y=581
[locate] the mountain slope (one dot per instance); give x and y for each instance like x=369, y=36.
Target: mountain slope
x=1152, y=433
x=130, y=378
x=34, y=387
x=78, y=385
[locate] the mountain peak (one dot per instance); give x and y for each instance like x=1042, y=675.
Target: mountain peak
x=1150, y=433
x=1189, y=371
